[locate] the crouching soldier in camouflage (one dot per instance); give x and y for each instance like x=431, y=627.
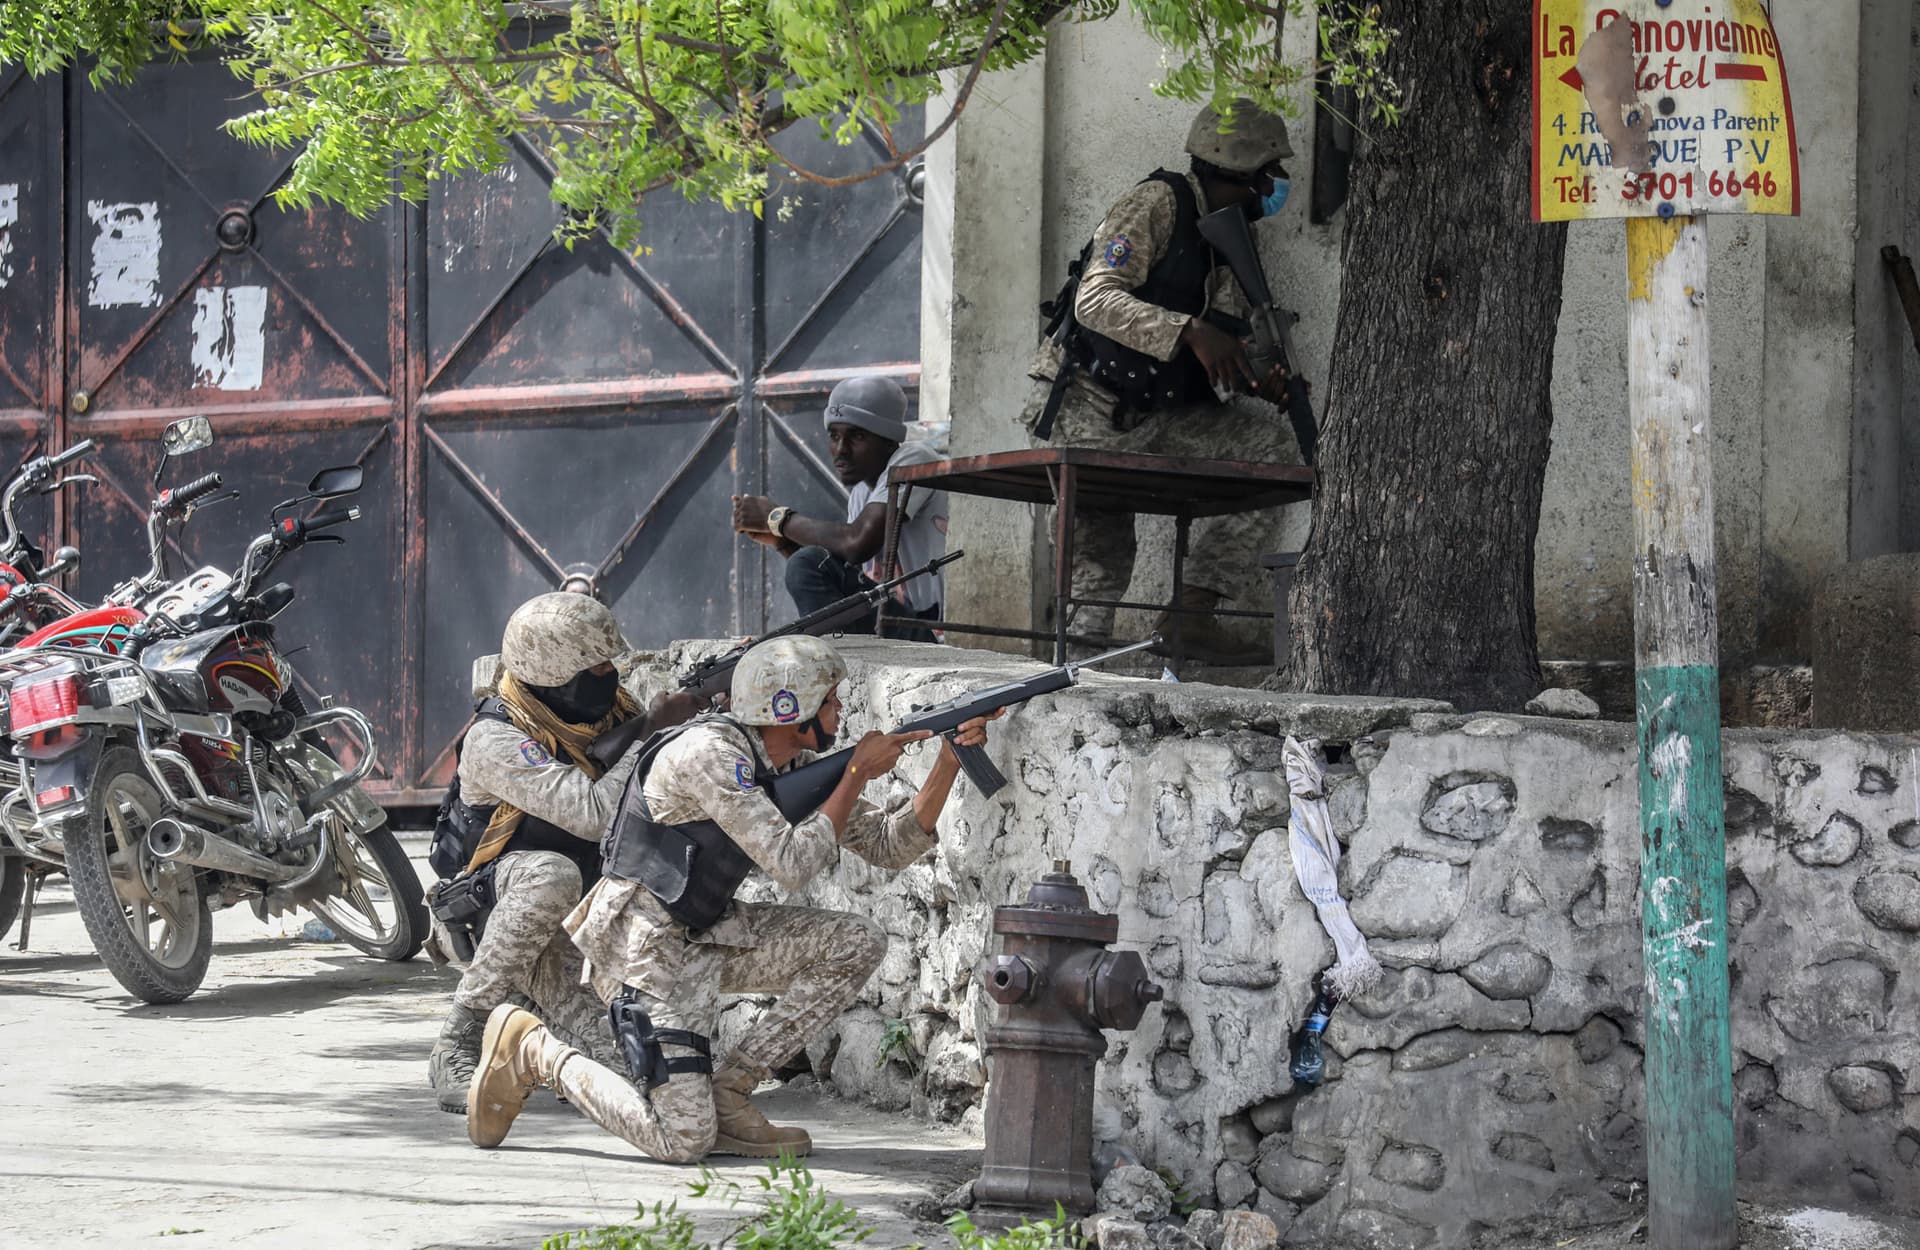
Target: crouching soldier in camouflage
x=665, y=942
x=524, y=822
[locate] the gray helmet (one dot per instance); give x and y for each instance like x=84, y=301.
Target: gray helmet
x=874, y=404
x=553, y=637
x=783, y=681
x=1254, y=140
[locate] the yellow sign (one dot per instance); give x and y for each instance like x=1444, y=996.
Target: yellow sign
x=1649, y=108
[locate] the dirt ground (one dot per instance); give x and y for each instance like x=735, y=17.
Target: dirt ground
x=286, y=1105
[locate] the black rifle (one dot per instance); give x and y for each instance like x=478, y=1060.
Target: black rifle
x=799, y=794
x=1230, y=236
x=714, y=676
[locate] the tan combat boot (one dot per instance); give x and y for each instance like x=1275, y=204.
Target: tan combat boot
x=742, y=1130
x=502, y=1079
x=1204, y=637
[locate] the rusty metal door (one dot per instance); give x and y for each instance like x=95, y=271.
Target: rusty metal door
x=522, y=409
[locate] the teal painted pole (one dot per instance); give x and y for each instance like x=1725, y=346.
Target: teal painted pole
x=1683, y=865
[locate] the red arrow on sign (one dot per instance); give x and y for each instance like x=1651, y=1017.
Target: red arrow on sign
x=1572, y=79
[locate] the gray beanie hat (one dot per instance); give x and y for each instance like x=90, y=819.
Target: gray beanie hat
x=874, y=404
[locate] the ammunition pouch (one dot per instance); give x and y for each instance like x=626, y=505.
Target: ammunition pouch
x=457, y=826
x=640, y=1043
x=462, y=905
x=691, y=869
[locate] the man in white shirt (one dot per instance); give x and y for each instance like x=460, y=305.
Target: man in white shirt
x=866, y=422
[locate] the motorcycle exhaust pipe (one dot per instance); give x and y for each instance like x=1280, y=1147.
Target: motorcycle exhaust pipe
x=174, y=840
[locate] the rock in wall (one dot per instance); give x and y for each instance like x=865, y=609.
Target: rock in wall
x=1495, y=1073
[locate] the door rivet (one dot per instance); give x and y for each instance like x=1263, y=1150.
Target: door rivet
x=234, y=229
x=80, y=402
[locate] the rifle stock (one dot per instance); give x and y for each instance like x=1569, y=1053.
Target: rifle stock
x=1228, y=233
x=799, y=793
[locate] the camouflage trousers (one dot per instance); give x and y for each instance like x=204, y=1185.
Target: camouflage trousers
x=816, y=961
x=1219, y=549
x=526, y=957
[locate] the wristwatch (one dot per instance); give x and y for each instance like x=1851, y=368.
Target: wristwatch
x=776, y=518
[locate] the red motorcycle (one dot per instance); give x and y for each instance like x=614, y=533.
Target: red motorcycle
x=169, y=763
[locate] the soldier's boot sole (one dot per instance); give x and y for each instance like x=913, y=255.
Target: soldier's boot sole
x=501, y=1081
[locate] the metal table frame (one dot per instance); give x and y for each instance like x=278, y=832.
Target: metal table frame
x=1067, y=478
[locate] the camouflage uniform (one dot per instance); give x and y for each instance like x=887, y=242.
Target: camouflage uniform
x=815, y=960
x=1136, y=233
x=524, y=949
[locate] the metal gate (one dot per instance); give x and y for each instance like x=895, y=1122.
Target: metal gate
x=522, y=409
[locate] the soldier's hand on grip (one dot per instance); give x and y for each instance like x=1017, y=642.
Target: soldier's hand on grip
x=877, y=753
x=1223, y=356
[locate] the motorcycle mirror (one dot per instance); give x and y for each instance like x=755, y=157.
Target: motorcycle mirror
x=335, y=482
x=64, y=560
x=185, y=435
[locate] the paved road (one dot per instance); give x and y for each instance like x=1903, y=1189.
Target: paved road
x=286, y=1105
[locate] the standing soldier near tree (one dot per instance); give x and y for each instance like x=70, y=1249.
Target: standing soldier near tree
x=1141, y=359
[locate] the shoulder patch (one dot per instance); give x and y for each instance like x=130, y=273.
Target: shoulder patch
x=743, y=773
x=1119, y=250
x=535, y=754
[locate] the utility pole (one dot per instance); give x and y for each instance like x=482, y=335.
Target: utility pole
x=1661, y=141
x=1676, y=654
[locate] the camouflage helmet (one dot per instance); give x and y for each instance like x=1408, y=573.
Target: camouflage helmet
x=553, y=637
x=783, y=681
x=1255, y=140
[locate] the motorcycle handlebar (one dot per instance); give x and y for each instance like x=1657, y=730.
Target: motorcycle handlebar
x=193, y=491
x=72, y=453
x=331, y=518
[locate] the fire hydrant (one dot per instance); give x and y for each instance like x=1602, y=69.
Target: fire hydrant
x=1057, y=986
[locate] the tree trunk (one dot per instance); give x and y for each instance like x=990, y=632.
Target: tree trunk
x=1418, y=576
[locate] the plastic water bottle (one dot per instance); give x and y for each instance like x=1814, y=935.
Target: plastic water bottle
x=1307, y=1065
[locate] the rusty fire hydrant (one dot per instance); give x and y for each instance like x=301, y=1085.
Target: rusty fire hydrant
x=1058, y=986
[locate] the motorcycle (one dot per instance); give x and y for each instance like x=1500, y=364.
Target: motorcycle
x=22, y=564
x=169, y=762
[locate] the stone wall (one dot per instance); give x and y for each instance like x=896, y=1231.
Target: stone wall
x=1495, y=1074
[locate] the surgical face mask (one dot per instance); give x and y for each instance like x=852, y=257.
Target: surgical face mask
x=584, y=700
x=1273, y=201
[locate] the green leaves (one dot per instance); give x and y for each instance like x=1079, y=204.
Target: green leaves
x=622, y=99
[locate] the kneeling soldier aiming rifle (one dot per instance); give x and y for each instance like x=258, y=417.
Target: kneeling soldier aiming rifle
x=665, y=936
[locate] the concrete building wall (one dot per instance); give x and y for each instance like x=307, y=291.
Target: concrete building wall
x=1816, y=462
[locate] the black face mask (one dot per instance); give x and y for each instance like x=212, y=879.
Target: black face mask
x=822, y=740
x=585, y=699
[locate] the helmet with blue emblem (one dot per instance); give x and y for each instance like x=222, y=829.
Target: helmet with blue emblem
x=783, y=681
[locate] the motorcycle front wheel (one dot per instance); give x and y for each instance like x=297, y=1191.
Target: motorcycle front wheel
x=380, y=907
x=146, y=916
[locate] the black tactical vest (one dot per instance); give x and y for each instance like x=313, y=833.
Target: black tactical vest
x=1177, y=282
x=459, y=827
x=693, y=869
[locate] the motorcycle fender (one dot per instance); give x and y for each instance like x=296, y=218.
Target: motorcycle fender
x=72, y=768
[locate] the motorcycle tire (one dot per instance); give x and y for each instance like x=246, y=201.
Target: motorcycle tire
x=121, y=805
x=13, y=887
x=409, y=930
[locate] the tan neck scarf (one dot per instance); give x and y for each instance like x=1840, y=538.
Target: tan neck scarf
x=538, y=721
